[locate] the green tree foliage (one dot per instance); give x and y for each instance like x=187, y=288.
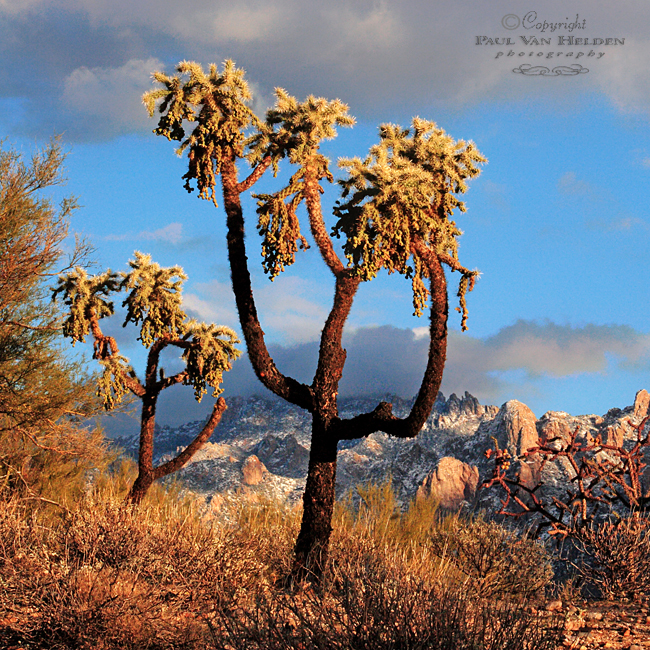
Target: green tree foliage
x=153, y=303
x=44, y=396
x=395, y=214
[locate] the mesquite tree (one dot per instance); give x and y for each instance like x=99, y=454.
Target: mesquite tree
x=154, y=303
x=394, y=214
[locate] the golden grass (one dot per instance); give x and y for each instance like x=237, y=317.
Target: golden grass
x=105, y=575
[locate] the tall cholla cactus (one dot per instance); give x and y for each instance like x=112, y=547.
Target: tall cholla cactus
x=395, y=214
x=153, y=302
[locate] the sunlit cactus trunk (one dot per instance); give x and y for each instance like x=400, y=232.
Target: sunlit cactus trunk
x=312, y=545
x=140, y=488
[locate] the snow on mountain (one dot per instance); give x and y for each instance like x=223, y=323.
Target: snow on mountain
x=262, y=445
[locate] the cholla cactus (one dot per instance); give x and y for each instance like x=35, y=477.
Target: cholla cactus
x=154, y=299
x=301, y=126
x=153, y=302
x=86, y=297
x=401, y=198
x=217, y=103
x=395, y=214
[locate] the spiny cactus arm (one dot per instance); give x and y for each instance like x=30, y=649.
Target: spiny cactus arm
x=398, y=202
x=263, y=365
x=295, y=130
x=172, y=380
x=154, y=300
x=312, y=192
x=87, y=300
x=255, y=175
x=85, y=296
x=437, y=354
x=466, y=283
x=210, y=353
x=217, y=103
x=202, y=437
x=118, y=373
x=279, y=226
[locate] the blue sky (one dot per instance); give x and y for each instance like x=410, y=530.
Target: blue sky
x=558, y=221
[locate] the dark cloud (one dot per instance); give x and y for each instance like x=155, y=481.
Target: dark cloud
x=81, y=66
x=391, y=360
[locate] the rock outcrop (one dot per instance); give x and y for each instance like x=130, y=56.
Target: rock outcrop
x=516, y=428
x=253, y=470
x=641, y=405
x=451, y=483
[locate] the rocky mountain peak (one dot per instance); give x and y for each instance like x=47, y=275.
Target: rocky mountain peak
x=458, y=406
x=641, y=405
x=516, y=428
x=452, y=482
x=262, y=447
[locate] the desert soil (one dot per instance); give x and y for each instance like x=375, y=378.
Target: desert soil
x=615, y=625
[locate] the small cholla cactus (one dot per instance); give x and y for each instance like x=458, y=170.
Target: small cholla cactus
x=153, y=302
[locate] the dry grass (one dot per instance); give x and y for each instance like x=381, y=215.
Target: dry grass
x=163, y=576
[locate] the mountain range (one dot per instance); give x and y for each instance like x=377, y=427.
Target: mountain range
x=261, y=447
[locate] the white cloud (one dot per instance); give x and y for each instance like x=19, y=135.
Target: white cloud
x=359, y=32
x=290, y=309
x=420, y=333
x=513, y=363
x=562, y=350
x=246, y=23
x=569, y=183
x=517, y=359
x=109, y=99
x=625, y=78
x=628, y=223
x=18, y=7
x=215, y=304
x=170, y=234
x=371, y=54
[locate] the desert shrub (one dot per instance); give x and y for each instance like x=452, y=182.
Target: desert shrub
x=374, y=509
x=615, y=556
x=495, y=560
x=490, y=559
x=57, y=469
x=377, y=596
x=104, y=575
x=108, y=576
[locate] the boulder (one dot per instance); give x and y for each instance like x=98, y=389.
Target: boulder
x=554, y=427
x=614, y=435
x=452, y=482
x=253, y=470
